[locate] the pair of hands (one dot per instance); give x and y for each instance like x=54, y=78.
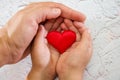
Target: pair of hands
x=47, y=63
x=17, y=36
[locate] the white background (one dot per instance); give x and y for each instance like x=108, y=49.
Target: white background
x=103, y=19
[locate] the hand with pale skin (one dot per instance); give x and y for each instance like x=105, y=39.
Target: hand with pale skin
x=72, y=62
x=16, y=36
x=44, y=58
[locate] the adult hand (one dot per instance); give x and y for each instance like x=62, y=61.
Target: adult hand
x=20, y=30
x=72, y=63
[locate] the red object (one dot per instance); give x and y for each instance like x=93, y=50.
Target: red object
x=61, y=41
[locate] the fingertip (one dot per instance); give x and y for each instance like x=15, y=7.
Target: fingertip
x=63, y=26
x=49, y=24
x=68, y=22
x=41, y=28
x=85, y=35
x=57, y=23
x=86, y=42
x=82, y=17
x=42, y=31
x=80, y=26
x=56, y=11
x=89, y=34
x=86, y=32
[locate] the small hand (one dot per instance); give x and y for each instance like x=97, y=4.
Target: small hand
x=44, y=58
x=72, y=63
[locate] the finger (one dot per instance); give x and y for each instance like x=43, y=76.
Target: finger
x=64, y=27
x=32, y=19
x=39, y=47
x=80, y=26
x=88, y=44
x=59, y=29
x=71, y=14
x=70, y=25
x=48, y=25
x=85, y=40
x=40, y=37
x=43, y=13
x=57, y=23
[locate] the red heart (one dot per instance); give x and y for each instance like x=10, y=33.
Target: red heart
x=61, y=41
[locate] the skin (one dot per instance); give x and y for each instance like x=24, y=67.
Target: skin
x=23, y=28
x=72, y=63
x=44, y=56
x=46, y=61
x=18, y=33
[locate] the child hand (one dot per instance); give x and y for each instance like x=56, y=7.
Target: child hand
x=72, y=63
x=44, y=58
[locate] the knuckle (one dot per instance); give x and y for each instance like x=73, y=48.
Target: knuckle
x=31, y=23
x=27, y=19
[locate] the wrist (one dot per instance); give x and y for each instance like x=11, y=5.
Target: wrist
x=72, y=75
x=40, y=74
x=3, y=47
x=34, y=75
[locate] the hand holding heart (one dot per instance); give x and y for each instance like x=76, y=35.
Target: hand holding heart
x=19, y=32
x=22, y=35
x=71, y=63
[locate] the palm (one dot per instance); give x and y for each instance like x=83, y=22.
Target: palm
x=50, y=25
x=50, y=55
x=70, y=57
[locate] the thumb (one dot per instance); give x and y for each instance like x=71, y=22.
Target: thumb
x=40, y=56
x=40, y=37
x=85, y=40
x=86, y=43
x=44, y=13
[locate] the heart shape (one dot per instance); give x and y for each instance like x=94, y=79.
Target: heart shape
x=61, y=41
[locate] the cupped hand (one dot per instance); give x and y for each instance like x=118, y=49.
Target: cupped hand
x=22, y=28
x=44, y=58
x=72, y=63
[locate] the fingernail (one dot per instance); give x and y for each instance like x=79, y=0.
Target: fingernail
x=41, y=27
x=56, y=10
